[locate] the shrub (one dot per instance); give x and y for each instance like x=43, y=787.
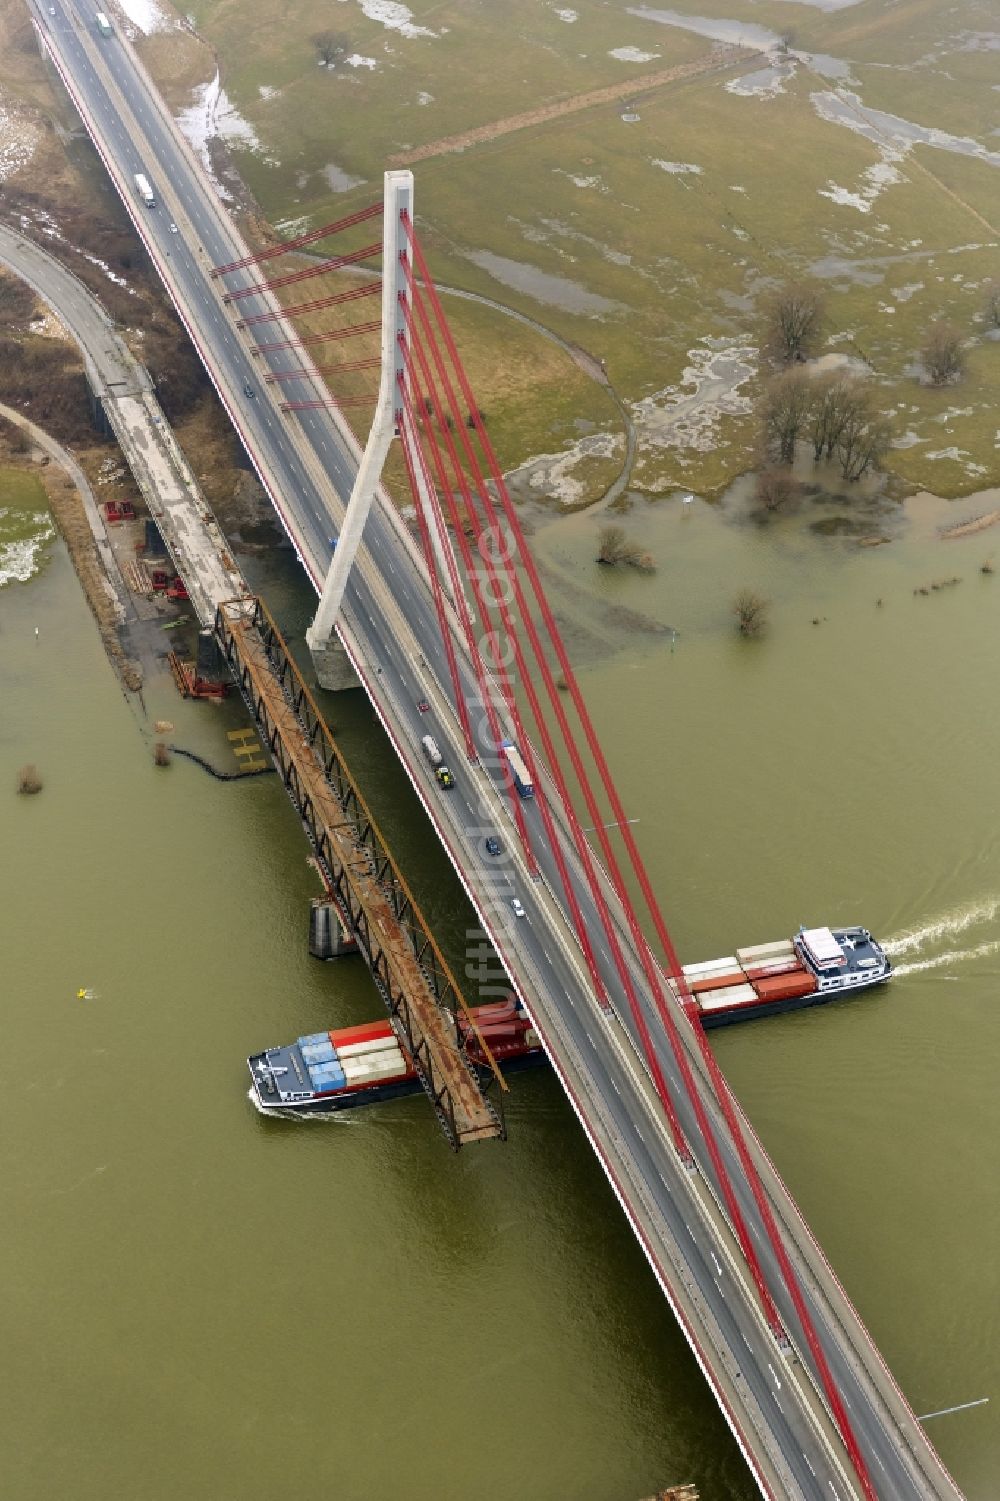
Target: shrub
x=28, y=779
x=750, y=610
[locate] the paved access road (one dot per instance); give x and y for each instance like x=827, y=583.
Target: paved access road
x=307, y=463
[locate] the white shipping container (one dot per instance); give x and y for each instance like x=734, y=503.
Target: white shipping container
x=371, y=1064
x=711, y=967
x=782, y=966
x=382, y=1068
x=732, y=995
x=371, y=1045
x=753, y=957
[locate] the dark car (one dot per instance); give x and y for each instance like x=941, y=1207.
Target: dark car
x=493, y=846
x=423, y=707
x=248, y=389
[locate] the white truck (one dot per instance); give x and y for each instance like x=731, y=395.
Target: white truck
x=430, y=749
x=103, y=24
x=144, y=190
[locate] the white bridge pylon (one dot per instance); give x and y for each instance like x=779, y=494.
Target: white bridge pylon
x=397, y=214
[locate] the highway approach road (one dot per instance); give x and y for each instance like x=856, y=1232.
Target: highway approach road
x=307, y=462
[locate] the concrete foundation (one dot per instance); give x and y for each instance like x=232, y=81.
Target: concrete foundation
x=209, y=662
x=333, y=666
x=328, y=937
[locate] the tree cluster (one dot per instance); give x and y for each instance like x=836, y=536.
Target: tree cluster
x=834, y=413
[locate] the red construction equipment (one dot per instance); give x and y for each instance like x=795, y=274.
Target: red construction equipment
x=177, y=589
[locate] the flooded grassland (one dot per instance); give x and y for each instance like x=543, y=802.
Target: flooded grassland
x=646, y=232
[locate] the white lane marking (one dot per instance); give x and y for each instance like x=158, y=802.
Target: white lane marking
x=774, y=1375
x=715, y=1262
x=690, y=1231
x=809, y=1466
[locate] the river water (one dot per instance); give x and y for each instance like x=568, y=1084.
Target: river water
x=203, y=1301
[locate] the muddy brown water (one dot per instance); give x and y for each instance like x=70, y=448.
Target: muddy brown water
x=202, y=1300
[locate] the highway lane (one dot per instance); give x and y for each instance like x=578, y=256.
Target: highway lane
x=161, y=159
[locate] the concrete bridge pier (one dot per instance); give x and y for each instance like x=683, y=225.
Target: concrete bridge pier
x=333, y=666
x=329, y=937
x=209, y=664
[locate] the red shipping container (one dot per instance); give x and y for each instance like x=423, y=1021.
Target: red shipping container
x=485, y=1014
x=364, y=1033
x=495, y=1036
x=776, y=967
x=718, y=982
x=786, y=987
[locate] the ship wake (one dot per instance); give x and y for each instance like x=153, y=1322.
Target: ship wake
x=950, y=925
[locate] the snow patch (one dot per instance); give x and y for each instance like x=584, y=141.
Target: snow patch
x=553, y=472
x=688, y=415
x=357, y=61
x=266, y=91
x=424, y=98
x=147, y=16
x=394, y=17
x=569, y=16
x=212, y=115
x=764, y=83
x=632, y=55
x=874, y=180
x=677, y=169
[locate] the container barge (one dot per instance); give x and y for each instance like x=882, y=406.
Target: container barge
x=352, y=1066
x=817, y=965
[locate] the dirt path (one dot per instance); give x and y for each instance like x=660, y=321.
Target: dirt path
x=719, y=58
x=75, y=511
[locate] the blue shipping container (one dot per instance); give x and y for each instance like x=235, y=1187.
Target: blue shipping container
x=314, y=1039
x=317, y=1052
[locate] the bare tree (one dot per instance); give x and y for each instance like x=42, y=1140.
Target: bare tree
x=776, y=487
x=863, y=442
x=942, y=355
x=787, y=400
x=834, y=400
x=329, y=46
x=991, y=307
x=794, y=317
x=750, y=610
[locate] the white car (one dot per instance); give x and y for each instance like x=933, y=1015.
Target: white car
x=518, y=909
x=173, y=229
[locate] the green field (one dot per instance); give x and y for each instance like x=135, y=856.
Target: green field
x=587, y=224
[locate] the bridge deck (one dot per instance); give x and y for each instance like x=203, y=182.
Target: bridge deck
x=431, y=1038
